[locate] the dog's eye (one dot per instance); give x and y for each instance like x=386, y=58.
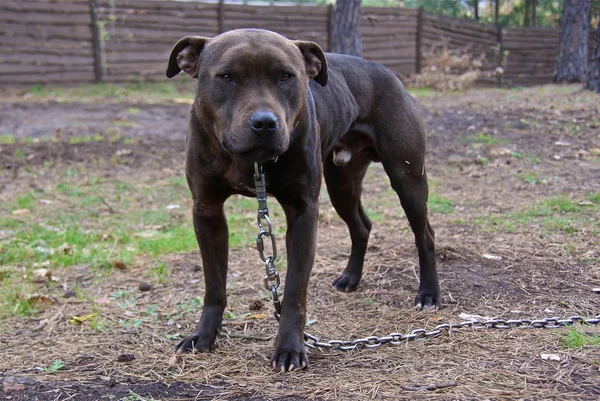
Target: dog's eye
x=225, y=77
x=284, y=77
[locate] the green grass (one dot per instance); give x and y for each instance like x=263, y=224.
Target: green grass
x=7, y=139
x=422, y=92
x=54, y=367
x=144, y=92
x=483, y=138
x=556, y=214
x=101, y=223
x=439, y=204
x=159, y=272
x=578, y=338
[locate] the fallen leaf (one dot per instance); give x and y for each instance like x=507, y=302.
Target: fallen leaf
x=123, y=152
x=20, y=211
x=119, y=264
x=492, y=257
x=40, y=299
x=594, y=151
x=473, y=318
x=257, y=316
x=81, y=319
x=551, y=357
x=173, y=206
x=173, y=360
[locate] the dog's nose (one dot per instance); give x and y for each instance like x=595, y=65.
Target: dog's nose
x=263, y=122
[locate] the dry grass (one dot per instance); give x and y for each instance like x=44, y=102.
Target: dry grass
x=544, y=271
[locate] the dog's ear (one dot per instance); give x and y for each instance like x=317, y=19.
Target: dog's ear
x=314, y=58
x=184, y=56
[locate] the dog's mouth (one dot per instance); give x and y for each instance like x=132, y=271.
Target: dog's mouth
x=260, y=155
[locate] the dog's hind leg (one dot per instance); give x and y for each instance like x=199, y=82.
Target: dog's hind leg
x=344, y=185
x=409, y=180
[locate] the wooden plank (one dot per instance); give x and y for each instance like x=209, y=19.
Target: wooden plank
x=155, y=57
x=157, y=5
x=35, y=58
x=44, y=18
x=409, y=12
x=447, y=30
x=19, y=42
x=392, y=46
x=157, y=18
x=386, y=30
x=43, y=7
x=276, y=9
x=8, y=69
x=46, y=32
x=207, y=26
x=400, y=37
x=438, y=35
x=457, y=23
x=161, y=35
x=16, y=79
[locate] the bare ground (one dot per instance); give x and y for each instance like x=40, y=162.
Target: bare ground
x=547, y=146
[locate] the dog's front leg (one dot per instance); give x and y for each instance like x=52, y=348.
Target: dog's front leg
x=301, y=241
x=210, y=227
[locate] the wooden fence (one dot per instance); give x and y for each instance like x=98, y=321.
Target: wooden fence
x=74, y=41
x=45, y=42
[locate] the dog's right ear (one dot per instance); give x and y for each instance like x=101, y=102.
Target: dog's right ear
x=184, y=56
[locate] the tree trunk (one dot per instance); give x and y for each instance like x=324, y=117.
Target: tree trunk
x=496, y=11
x=526, y=17
x=533, y=13
x=572, y=59
x=593, y=82
x=476, y=10
x=345, y=27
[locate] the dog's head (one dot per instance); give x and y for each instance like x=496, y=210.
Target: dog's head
x=252, y=86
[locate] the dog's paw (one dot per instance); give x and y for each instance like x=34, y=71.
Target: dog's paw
x=427, y=300
x=347, y=282
x=196, y=342
x=288, y=361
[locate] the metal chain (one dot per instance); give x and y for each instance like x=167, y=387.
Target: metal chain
x=272, y=281
x=398, y=338
x=265, y=229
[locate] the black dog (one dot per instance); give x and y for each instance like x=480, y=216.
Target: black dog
x=261, y=98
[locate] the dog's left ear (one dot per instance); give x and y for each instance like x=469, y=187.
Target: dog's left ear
x=314, y=58
x=184, y=56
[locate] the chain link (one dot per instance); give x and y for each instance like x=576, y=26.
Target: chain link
x=272, y=281
x=265, y=229
x=419, y=334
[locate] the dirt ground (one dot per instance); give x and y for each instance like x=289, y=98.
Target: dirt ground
x=495, y=157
